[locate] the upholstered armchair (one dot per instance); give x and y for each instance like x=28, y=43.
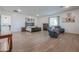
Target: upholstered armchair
x=53, y=34
x=61, y=30
x=55, y=31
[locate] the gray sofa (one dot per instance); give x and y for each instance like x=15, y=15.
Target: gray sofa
x=55, y=31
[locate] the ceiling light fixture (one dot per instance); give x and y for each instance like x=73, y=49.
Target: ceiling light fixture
x=17, y=10
x=37, y=15
x=66, y=6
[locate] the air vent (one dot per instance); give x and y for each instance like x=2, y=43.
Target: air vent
x=64, y=6
x=18, y=10
x=15, y=10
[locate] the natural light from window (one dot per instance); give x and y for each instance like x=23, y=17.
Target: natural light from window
x=53, y=21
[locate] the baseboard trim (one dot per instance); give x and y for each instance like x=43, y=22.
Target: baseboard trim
x=72, y=33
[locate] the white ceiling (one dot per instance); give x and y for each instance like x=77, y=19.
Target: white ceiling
x=41, y=10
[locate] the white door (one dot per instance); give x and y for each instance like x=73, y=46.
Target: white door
x=5, y=23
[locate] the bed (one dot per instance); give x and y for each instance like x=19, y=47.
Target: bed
x=33, y=29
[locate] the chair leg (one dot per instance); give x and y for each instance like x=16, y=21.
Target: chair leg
x=10, y=44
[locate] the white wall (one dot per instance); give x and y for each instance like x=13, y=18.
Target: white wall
x=17, y=21
x=42, y=20
x=69, y=27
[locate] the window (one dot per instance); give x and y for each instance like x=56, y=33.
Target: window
x=53, y=21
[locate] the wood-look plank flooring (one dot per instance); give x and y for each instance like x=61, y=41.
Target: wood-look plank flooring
x=41, y=42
